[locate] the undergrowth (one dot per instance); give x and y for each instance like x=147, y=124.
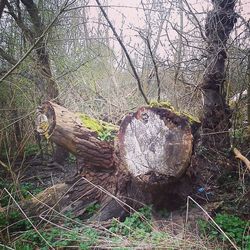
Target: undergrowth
x=137, y=231
x=137, y=225
x=234, y=227
x=19, y=191
x=57, y=238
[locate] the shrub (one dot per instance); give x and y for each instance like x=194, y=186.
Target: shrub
x=138, y=224
x=236, y=228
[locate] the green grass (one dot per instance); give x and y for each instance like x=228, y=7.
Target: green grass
x=57, y=238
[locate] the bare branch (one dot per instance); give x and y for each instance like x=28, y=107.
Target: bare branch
x=39, y=39
x=125, y=51
x=246, y=22
x=155, y=68
x=196, y=20
x=241, y=157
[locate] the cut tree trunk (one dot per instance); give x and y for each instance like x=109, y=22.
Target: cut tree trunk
x=145, y=163
x=155, y=144
x=66, y=130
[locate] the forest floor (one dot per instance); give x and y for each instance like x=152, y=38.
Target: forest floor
x=188, y=227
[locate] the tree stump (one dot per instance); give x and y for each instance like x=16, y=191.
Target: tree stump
x=155, y=143
x=145, y=163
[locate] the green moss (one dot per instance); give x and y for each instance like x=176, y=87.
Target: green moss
x=165, y=104
x=106, y=131
x=91, y=123
x=192, y=119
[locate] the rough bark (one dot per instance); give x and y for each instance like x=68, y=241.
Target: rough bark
x=145, y=164
x=49, y=86
x=66, y=130
x=2, y=5
x=216, y=114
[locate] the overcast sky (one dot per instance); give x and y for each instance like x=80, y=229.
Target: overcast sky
x=129, y=15
x=133, y=14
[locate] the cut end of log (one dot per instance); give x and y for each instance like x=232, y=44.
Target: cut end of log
x=155, y=142
x=45, y=120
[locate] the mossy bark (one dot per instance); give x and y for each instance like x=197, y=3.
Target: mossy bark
x=67, y=130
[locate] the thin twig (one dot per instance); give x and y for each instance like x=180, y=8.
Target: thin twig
x=125, y=51
x=6, y=247
x=28, y=219
x=196, y=20
x=155, y=68
x=206, y=213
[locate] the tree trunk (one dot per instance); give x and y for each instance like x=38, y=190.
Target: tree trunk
x=66, y=130
x=216, y=114
x=144, y=164
x=43, y=77
x=47, y=84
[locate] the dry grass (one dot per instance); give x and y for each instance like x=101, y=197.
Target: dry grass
x=173, y=233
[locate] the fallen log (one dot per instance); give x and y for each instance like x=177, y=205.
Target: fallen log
x=67, y=130
x=142, y=162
